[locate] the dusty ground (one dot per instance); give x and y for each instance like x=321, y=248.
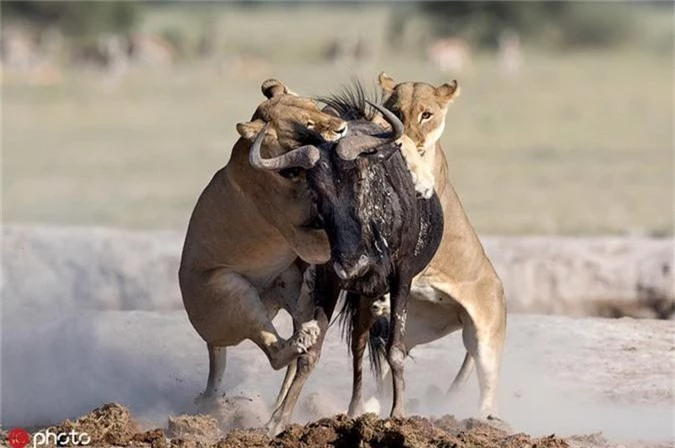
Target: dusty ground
x=112, y=425
x=560, y=375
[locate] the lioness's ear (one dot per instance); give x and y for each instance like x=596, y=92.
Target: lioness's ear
x=274, y=87
x=250, y=129
x=386, y=82
x=448, y=91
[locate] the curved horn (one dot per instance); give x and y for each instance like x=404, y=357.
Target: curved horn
x=397, y=127
x=350, y=148
x=302, y=157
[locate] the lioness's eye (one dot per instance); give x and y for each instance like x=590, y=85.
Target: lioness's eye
x=426, y=115
x=310, y=124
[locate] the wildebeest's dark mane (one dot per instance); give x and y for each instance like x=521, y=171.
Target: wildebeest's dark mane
x=350, y=102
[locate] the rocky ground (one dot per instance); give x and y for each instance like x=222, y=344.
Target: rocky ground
x=112, y=425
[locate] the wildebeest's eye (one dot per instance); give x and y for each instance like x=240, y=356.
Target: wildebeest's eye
x=426, y=115
x=290, y=173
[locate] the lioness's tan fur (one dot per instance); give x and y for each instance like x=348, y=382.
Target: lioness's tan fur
x=248, y=228
x=459, y=288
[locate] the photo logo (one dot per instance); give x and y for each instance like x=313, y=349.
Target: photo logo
x=20, y=438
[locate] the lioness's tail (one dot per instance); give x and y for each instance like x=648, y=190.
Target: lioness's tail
x=463, y=374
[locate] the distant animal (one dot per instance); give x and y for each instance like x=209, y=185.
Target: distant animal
x=381, y=234
x=510, y=56
x=251, y=234
x=459, y=289
x=450, y=55
x=151, y=50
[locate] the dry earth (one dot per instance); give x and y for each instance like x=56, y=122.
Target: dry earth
x=560, y=375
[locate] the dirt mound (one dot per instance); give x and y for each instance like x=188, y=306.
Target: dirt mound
x=113, y=426
x=414, y=432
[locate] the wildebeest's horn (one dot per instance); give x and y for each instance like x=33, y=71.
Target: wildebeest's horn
x=349, y=148
x=302, y=157
x=397, y=128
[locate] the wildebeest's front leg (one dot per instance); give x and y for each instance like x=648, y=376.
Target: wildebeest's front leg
x=396, y=351
x=361, y=323
x=326, y=289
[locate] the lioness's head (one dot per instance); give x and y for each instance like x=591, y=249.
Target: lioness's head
x=287, y=116
x=422, y=108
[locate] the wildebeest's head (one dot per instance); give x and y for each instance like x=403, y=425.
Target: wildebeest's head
x=340, y=176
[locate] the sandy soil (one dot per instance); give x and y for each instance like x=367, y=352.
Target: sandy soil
x=603, y=379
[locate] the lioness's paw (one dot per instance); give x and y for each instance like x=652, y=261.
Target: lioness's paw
x=423, y=181
x=381, y=307
x=307, y=336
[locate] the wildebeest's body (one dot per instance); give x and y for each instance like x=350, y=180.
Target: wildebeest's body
x=374, y=211
x=380, y=234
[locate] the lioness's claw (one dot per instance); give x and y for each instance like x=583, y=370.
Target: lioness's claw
x=307, y=336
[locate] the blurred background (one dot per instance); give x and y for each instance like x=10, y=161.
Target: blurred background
x=119, y=113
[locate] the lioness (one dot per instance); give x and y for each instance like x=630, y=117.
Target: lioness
x=459, y=288
x=239, y=262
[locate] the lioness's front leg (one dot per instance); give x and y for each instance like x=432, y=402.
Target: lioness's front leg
x=311, y=245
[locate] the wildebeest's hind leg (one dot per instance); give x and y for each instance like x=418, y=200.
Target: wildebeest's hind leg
x=362, y=319
x=396, y=352
x=327, y=290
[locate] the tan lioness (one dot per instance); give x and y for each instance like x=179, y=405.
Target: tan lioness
x=459, y=288
x=239, y=263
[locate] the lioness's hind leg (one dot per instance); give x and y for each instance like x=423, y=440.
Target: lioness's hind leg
x=217, y=362
x=486, y=350
x=214, y=389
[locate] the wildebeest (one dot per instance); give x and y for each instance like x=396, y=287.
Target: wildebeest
x=381, y=235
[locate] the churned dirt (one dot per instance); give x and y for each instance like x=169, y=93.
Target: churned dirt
x=112, y=425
